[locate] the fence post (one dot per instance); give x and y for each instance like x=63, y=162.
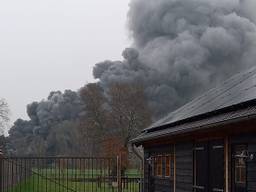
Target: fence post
x=1, y=170
x=119, y=174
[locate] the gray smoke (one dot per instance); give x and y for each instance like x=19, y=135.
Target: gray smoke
x=183, y=47
x=180, y=49
x=58, y=110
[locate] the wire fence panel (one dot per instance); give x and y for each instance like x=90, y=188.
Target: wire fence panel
x=66, y=174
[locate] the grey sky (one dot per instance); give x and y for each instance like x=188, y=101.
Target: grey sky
x=50, y=45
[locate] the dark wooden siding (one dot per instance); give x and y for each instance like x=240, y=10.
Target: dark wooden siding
x=184, y=167
x=157, y=184
x=162, y=185
x=250, y=140
x=251, y=171
x=146, y=170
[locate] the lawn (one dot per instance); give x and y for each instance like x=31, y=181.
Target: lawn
x=51, y=180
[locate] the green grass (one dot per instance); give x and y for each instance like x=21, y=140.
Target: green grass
x=133, y=173
x=51, y=180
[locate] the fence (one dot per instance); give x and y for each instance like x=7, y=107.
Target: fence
x=65, y=174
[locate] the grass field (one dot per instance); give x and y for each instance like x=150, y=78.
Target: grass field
x=50, y=180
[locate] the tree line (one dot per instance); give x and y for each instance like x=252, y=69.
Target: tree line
x=90, y=122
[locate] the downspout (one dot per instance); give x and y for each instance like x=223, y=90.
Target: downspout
x=141, y=157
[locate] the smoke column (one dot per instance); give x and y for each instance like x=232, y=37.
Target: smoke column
x=180, y=49
x=59, y=110
x=183, y=47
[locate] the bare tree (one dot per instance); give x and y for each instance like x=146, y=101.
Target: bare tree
x=129, y=114
x=94, y=99
x=129, y=110
x=4, y=115
x=95, y=121
x=119, y=113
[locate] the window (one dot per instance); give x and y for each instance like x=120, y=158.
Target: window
x=240, y=164
x=159, y=164
x=167, y=166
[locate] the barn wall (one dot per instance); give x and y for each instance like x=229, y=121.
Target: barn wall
x=251, y=165
x=157, y=184
x=251, y=174
x=184, y=167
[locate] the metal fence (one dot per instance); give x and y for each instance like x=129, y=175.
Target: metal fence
x=66, y=174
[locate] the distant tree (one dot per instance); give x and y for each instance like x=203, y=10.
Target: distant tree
x=3, y=143
x=62, y=140
x=111, y=146
x=129, y=114
x=81, y=123
x=38, y=146
x=129, y=110
x=94, y=99
x=4, y=115
x=94, y=122
x=116, y=114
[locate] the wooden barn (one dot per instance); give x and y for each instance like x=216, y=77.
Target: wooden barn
x=208, y=145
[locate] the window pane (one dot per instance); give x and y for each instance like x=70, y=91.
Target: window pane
x=155, y=166
x=159, y=166
x=167, y=166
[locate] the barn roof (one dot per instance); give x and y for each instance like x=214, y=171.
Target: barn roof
x=234, y=98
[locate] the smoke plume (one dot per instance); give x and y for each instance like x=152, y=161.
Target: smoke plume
x=183, y=47
x=180, y=49
x=46, y=118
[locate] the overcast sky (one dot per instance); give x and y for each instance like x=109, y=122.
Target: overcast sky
x=50, y=45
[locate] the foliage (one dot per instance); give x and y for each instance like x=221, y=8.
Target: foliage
x=115, y=115
x=129, y=110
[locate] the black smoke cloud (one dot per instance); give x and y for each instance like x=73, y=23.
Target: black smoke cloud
x=55, y=109
x=58, y=110
x=183, y=47
x=180, y=49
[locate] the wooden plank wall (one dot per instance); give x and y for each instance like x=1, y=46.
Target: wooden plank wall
x=184, y=167
x=157, y=184
x=251, y=171
x=251, y=165
x=146, y=171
